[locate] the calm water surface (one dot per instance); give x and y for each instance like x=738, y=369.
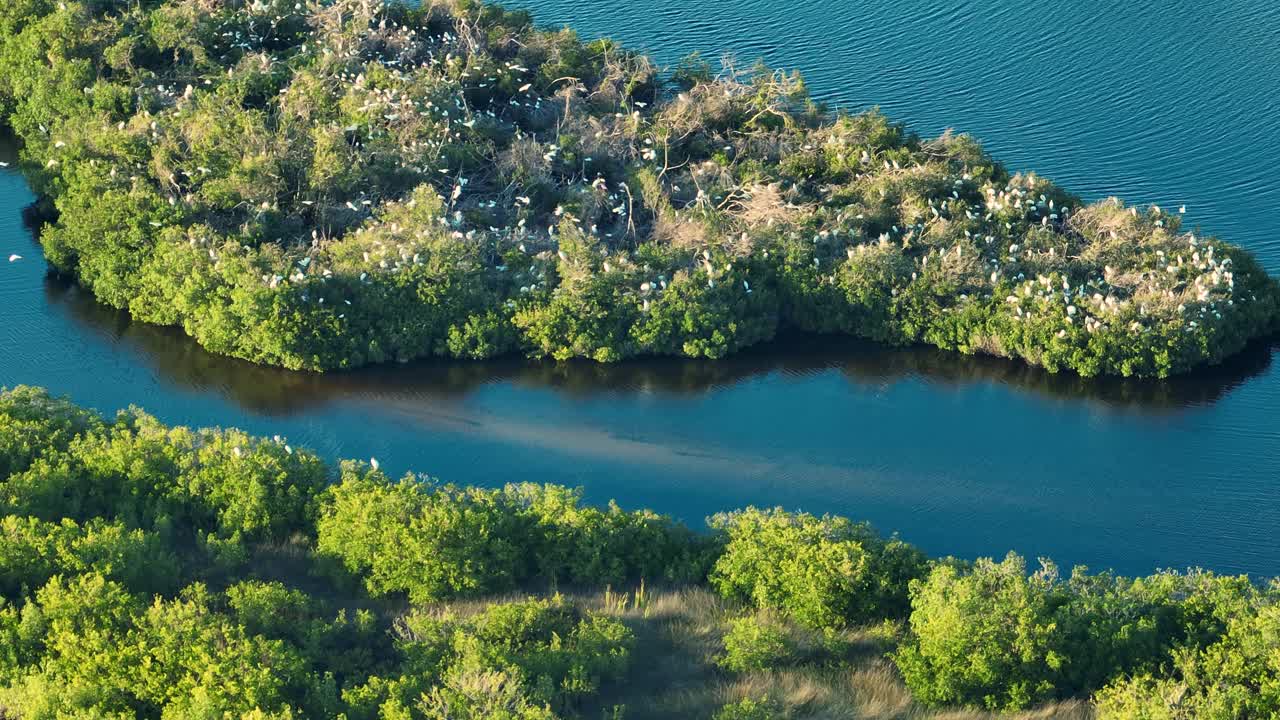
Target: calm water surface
x=1170, y=102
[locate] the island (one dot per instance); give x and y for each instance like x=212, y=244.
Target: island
x=325, y=185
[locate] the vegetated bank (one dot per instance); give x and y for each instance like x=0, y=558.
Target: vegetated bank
x=328, y=184
x=162, y=572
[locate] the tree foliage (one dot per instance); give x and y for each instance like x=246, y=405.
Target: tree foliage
x=991, y=635
x=826, y=572
x=434, y=541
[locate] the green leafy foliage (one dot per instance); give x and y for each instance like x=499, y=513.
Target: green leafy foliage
x=749, y=709
x=1234, y=678
x=994, y=636
x=209, y=487
x=755, y=642
x=986, y=637
x=34, y=423
x=435, y=541
x=33, y=551
x=825, y=572
x=519, y=660
x=128, y=561
x=106, y=653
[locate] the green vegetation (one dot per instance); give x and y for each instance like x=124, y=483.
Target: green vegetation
x=157, y=572
x=825, y=572
x=433, y=543
x=755, y=642
x=332, y=183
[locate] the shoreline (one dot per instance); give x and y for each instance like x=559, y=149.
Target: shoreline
x=248, y=530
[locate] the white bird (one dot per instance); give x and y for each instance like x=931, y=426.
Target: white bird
x=374, y=462
x=15, y=258
x=4, y=164
x=1182, y=209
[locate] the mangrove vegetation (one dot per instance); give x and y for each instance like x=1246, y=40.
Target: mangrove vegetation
x=322, y=184
x=149, y=571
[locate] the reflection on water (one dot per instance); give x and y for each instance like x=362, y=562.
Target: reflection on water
x=276, y=392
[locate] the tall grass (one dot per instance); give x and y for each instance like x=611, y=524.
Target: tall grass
x=842, y=675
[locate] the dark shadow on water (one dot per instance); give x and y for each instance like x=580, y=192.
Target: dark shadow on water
x=271, y=391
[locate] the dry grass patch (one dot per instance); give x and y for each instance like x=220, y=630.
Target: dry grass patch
x=842, y=676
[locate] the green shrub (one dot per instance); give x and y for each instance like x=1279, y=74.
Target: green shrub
x=105, y=653
x=1235, y=678
x=748, y=709
x=481, y=695
x=825, y=572
x=993, y=636
x=592, y=546
x=32, y=423
x=431, y=542
x=521, y=660
x=986, y=637
x=32, y=551
x=438, y=541
x=755, y=642
x=213, y=487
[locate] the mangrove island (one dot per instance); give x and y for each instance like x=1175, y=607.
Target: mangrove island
x=328, y=184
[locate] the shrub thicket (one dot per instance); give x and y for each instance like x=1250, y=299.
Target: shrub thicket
x=131, y=557
x=157, y=572
x=435, y=542
x=755, y=642
x=826, y=572
x=991, y=635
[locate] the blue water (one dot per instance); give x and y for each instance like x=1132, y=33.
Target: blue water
x=1173, y=103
